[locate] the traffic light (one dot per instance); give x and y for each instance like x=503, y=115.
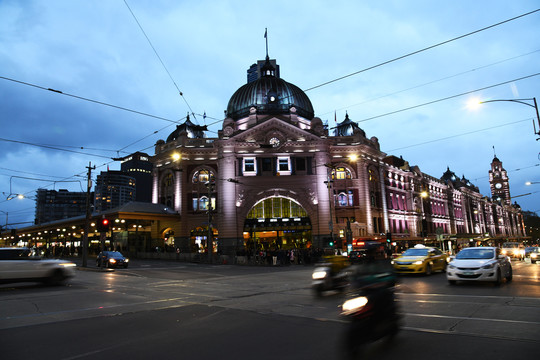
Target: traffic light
x=103, y=225
x=388, y=237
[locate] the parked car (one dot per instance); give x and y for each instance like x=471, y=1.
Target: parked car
x=112, y=259
x=533, y=253
x=23, y=264
x=420, y=259
x=479, y=264
x=514, y=250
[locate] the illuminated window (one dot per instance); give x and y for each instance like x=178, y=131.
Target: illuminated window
x=341, y=173
x=203, y=176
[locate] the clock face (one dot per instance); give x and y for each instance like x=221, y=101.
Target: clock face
x=274, y=142
x=498, y=185
x=228, y=131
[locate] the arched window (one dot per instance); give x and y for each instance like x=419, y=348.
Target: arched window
x=203, y=176
x=341, y=173
x=276, y=207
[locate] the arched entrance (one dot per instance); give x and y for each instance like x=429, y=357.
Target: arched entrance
x=277, y=223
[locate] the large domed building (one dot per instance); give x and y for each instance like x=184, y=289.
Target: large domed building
x=276, y=178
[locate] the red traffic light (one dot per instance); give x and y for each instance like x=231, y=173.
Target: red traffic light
x=103, y=225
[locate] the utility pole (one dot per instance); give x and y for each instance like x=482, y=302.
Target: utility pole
x=88, y=212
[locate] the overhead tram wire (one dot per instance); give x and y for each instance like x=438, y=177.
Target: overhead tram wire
x=53, y=148
x=161, y=61
x=90, y=100
x=421, y=50
x=431, y=82
x=448, y=97
x=458, y=135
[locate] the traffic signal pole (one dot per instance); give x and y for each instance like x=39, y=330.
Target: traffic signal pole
x=88, y=213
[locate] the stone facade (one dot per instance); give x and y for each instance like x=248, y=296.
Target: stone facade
x=275, y=179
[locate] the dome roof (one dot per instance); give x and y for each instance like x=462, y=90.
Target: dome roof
x=269, y=95
x=191, y=130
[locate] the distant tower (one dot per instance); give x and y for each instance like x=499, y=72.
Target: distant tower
x=498, y=182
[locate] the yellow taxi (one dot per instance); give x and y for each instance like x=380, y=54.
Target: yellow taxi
x=420, y=260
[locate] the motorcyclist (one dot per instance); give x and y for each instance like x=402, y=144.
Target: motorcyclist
x=336, y=263
x=371, y=307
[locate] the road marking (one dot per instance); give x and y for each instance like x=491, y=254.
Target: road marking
x=472, y=318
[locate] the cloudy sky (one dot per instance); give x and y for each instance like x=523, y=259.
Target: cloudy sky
x=413, y=65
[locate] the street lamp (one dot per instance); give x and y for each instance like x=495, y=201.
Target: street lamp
x=527, y=102
x=532, y=182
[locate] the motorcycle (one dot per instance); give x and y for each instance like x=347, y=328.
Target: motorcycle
x=372, y=314
x=325, y=279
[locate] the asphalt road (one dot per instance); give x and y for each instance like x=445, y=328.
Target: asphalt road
x=173, y=310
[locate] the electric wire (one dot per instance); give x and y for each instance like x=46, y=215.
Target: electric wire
x=431, y=82
x=448, y=97
x=52, y=148
x=161, y=61
x=421, y=50
x=87, y=99
x=458, y=135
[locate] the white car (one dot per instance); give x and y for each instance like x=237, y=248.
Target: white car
x=479, y=264
x=20, y=264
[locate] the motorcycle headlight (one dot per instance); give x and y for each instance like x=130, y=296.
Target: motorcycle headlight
x=419, y=262
x=355, y=304
x=318, y=275
x=504, y=252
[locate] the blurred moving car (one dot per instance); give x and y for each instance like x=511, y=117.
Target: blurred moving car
x=420, y=259
x=514, y=250
x=23, y=264
x=479, y=264
x=357, y=256
x=112, y=259
x=533, y=252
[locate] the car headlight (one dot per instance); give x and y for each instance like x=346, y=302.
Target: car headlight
x=534, y=255
x=488, y=266
x=112, y=261
x=504, y=252
x=318, y=275
x=355, y=304
x=68, y=264
x=450, y=266
x=392, y=262
x=419, y=262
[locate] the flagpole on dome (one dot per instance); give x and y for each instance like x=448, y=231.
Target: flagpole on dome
x=266, y=37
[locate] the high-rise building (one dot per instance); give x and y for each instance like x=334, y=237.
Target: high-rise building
x=60, y=204
x=113, y=189
x=138, y=166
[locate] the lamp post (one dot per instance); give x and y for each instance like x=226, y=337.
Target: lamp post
x=524, y=102
x=532, y=182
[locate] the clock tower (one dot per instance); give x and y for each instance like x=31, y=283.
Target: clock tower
x=498, y=182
